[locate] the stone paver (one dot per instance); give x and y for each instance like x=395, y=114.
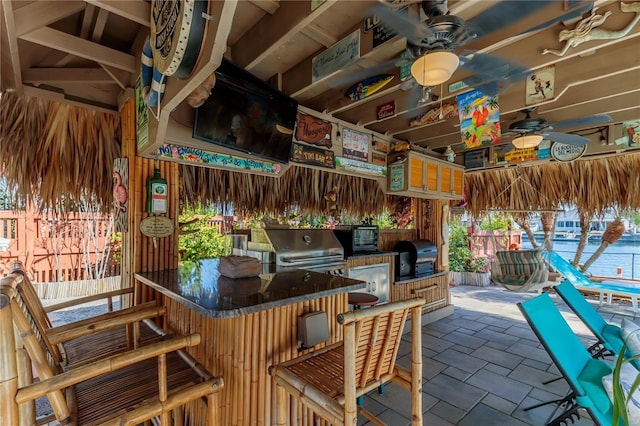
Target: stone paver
x=483, y=365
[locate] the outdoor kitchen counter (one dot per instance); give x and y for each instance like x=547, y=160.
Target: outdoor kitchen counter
x=371, y=254
x=199, y=286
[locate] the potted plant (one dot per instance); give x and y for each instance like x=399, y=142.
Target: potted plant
x=466, y=269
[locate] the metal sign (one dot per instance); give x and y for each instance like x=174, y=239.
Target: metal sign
x=567, y=153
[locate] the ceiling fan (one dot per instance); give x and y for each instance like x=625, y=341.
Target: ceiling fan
x=531, y=131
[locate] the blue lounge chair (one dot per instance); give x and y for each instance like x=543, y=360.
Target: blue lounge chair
x=581, y=282
x=582, y=372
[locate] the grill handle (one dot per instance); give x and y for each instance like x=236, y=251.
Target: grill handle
x=305, y=259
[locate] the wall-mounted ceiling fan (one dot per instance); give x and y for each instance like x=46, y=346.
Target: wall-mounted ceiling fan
x=531, y=131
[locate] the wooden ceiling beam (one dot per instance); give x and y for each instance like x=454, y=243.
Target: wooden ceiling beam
x=42, y=13
x=136, y=11
x=53, y=76
x=101, y=22
x=269, y=6
x=316, y=33
x=85, y=28
x=11, y=78
x=64, y=42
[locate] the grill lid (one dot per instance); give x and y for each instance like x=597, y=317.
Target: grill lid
x=301, y=247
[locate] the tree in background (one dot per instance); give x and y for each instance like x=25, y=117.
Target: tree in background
x=198, y=240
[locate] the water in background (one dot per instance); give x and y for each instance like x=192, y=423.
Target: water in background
x=624, y=255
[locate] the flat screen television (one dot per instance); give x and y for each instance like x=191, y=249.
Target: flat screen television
x=246, y=114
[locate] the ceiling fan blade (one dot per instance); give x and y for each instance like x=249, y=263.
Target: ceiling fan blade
x=413, y=97
x=507, y=149
x=488, y=68
x=588, y=120
x=502, y=15
x=566, y=138
x=399, y=22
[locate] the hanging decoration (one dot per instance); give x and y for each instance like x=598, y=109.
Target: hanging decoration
x=479, y=117
x=121, y=194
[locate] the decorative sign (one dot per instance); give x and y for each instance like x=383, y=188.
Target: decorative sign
x=380, y=35
x=313, y=130
x=520, y=155
x=368, y=86
x=369, y=23
x=479, y=118
x=156, y=226
x=386, y=110
x=567, y=153
x=396, y=177
x=313, y=156
x=336, y=57
x=630, y=133
x=457, y=86
x=142, y=116
x=381, y=146
x=433, y=115
x=361, y=167
x=544, y=149
x=355, y=145
x=379, y=159
x=405, y=69
x=121, y=194
x=475, y=159
x=222, y=161
x=177, y=29
x=539, y=86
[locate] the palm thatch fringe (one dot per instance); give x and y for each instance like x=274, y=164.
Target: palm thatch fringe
x=302, y=188
x=592, y=185
x=53, y=154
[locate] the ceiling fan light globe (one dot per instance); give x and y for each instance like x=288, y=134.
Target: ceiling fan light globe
x=434, y=68
x=527, y=141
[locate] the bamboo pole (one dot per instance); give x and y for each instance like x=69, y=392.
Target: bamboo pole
x=9, y=413
x=416, y=366
x=350, y=408
x=162, y=386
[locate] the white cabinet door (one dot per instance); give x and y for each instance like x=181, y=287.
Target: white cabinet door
x=376, y=277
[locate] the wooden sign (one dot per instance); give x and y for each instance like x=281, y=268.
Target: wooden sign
x=185, y=154
x=313, y=130
x=475, y=159
x=121, y=194
x=379, y=158
x=385, y=110
x=396, y=177
x=381, y=146
x=355, y=166
x=340, y=55
x=355, y=145
x=313, y=156
x=156, y=226
x=539, y=85
x=381, y=34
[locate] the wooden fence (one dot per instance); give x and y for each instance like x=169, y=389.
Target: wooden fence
x=51, y=247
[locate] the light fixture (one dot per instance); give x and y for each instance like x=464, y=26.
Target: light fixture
x=434, y=68
x=527, y=141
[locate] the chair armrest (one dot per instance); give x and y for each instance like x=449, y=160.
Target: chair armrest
x=106, y=321
x=86, y=299
x=97, y=368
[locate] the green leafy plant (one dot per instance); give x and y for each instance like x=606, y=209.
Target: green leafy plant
x=204, y=242
x=461, y=258
x=620, y=396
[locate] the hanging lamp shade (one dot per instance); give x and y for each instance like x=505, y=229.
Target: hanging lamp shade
x=434, y=68
x=527, y=141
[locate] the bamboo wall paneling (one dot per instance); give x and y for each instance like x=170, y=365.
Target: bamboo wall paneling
x=389, y=237
x=435, y=299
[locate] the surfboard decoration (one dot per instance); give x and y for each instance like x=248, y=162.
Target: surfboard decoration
x=368, y=86
x=177, y=31
x=153, y=81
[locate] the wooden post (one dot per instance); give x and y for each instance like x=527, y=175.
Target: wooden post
x=8, y=366
x=350, y=408
x=416, y=366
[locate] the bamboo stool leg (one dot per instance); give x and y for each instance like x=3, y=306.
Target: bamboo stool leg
x=281, y=406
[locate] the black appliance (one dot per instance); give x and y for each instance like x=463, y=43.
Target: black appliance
x=358, y=238
x=246, y=114
x=415, y=258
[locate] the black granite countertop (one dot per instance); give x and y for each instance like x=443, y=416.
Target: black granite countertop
x=199, y=286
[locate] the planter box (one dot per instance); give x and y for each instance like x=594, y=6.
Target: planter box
x=478, y=279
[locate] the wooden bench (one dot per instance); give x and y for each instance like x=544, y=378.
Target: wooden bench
x=130, y=384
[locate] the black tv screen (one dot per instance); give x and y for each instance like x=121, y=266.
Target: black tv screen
x=246, y=114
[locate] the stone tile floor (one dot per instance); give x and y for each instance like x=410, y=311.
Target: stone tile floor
x=483, y=365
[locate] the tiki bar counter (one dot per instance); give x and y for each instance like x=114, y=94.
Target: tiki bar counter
x=247, y=325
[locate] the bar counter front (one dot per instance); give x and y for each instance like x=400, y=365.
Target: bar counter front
x=246, y=325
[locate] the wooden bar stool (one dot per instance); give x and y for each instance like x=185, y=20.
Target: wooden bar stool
x=359, y=300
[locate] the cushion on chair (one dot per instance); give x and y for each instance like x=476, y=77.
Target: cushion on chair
x=628, y=375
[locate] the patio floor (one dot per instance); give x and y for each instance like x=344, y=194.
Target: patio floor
x=483, y=365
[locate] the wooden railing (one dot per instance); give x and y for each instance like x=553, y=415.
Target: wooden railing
x=50, y=247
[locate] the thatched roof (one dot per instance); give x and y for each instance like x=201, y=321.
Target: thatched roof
x=54, y=154
x=301, y=187
x=592, y=185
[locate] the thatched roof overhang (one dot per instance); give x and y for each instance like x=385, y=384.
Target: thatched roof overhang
x=54, y=154
x=592, y=185
x=301, y=187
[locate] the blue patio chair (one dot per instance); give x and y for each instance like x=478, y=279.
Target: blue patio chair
x=582, y=372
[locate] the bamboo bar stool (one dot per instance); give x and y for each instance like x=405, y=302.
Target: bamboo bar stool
x=158, y=380
x=329, y=380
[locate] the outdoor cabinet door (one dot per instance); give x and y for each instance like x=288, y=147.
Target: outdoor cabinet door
x=376, y=277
